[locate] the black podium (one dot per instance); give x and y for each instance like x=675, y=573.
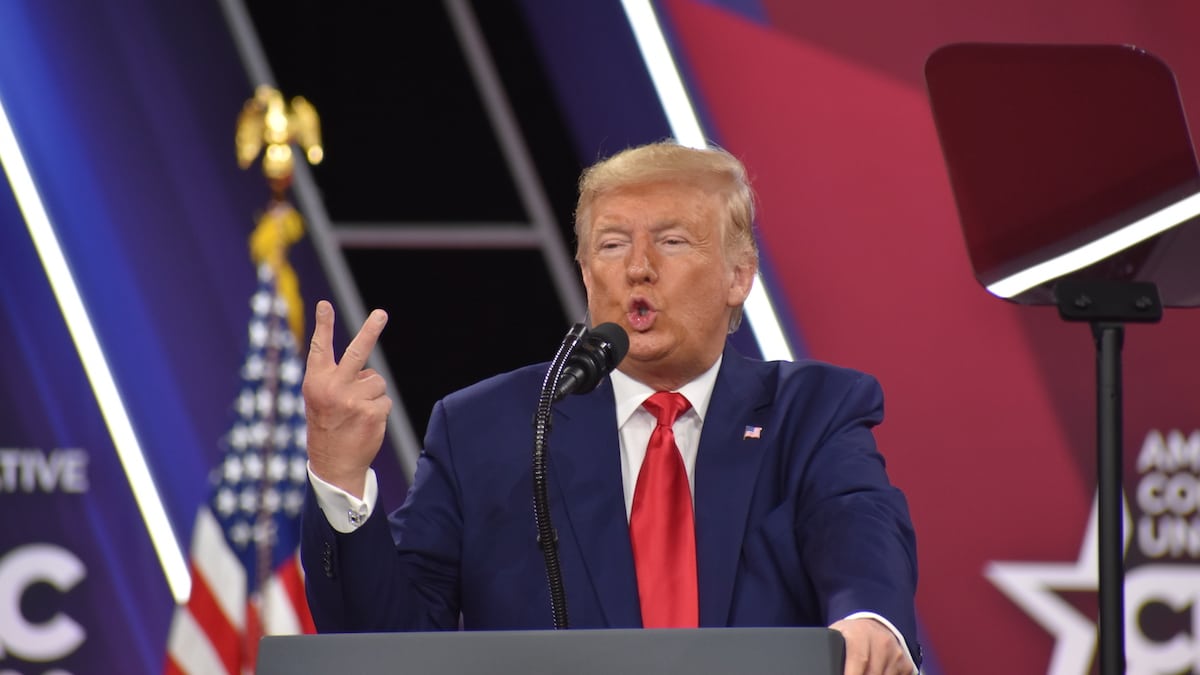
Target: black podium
x=704, y=651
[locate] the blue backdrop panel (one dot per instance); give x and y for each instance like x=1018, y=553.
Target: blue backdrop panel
x=77, y=573
x=126, y=117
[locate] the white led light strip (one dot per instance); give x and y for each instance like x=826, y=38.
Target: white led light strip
x=1095, y=251
x=686, y=128
x=79, y=324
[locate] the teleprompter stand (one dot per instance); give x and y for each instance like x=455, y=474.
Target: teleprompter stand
x=1068, y=195
x=1108, y=306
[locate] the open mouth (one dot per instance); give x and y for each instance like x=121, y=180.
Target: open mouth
x=641, y=314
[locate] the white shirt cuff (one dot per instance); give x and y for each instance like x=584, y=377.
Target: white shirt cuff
x=345, y=512
x=887, y=624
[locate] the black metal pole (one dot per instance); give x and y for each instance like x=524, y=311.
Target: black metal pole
x=1110, y=338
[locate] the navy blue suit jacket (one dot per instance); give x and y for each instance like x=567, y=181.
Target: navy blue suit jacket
x=797, y=527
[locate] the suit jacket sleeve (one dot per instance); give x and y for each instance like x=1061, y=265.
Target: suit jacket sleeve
x=398, y=577
x=857, y=539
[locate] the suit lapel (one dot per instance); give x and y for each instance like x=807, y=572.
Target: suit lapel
x=585, y=471
x=726, y=467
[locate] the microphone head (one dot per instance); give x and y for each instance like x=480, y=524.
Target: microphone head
x=617, y=341
x=596, y=354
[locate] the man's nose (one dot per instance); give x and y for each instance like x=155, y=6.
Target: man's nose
x=641, y=266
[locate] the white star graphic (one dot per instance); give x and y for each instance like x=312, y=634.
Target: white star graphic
x=277, y=468
x=291, y=371
x=1035, y=587
x=245, y=403
x=254, y=368
x=258, y=334
x=233, y=469
x=261, y=302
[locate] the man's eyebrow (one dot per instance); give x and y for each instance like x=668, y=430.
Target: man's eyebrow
x=667, y=224
x=610, y=226
x=620, y=226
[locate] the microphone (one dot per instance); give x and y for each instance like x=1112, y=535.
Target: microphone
x=596, y=354
x=582, y=360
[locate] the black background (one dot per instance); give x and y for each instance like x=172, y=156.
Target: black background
x=407, y=140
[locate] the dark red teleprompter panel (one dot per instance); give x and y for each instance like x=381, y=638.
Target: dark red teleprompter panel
x=1050, y=147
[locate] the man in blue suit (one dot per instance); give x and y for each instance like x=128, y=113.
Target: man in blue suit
x=791, y=518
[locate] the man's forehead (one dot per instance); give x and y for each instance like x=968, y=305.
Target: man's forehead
x=669, y=200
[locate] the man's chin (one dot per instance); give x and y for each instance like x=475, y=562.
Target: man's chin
x=645, y=348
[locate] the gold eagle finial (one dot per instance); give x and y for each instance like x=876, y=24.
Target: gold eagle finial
x=267, y=120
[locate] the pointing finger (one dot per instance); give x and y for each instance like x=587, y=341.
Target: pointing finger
x=360, y=347
x=320, y=348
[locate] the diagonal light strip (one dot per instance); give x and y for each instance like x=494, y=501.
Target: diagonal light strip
x=79, y=324
x=685, y=127
x=764, y=323
x=1093, y=252
x=681, y=115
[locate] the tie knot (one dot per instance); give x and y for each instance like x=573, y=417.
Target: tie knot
x=667, y=406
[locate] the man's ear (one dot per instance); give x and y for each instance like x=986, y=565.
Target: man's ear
x=741, y=280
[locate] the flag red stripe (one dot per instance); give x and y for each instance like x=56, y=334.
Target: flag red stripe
x=293, y=585
x=220, y=628
x=253, y=633
x=224, y=637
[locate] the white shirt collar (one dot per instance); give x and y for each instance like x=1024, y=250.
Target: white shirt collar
x=631, y=394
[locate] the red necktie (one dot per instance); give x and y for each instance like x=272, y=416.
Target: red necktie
x=661, y=526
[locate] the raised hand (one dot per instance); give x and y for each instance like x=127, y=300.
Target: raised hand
x=346, y=404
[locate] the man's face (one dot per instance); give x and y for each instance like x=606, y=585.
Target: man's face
x=655, y=264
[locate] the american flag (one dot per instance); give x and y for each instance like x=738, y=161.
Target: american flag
x=752, y=432
x=246, y=577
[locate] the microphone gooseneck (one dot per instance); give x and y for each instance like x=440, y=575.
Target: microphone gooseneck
x=582, y=360
x=547, y=538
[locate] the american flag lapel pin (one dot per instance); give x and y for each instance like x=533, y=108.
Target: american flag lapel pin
x=752, y=432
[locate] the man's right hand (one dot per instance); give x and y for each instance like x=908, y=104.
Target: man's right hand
x=346, y=405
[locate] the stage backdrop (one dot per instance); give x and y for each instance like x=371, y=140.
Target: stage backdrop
x=126, y=117
x=990, y=406
x=125, y=113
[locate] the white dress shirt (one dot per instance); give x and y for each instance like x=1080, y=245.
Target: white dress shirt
x=635, y=424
